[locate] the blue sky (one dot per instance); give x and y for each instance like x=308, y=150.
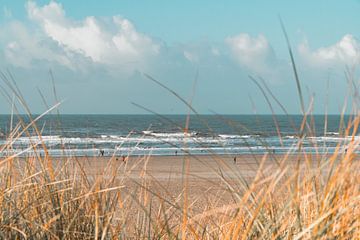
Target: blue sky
x=98, y=52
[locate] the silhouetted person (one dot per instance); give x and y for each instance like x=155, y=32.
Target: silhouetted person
x=175, y=152
x=234, y=160
x=102, y=152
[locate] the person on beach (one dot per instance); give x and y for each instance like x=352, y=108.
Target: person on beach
x=234, y=160
x=175, y=152
x=102, y=152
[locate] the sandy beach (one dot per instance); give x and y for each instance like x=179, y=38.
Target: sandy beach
x=164, y=168
x=201, y=174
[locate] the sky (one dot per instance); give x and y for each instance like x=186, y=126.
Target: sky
x=100, y=54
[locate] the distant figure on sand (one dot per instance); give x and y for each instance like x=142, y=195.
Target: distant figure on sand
x=234, y=160
x=175, y=152
x=102, y=152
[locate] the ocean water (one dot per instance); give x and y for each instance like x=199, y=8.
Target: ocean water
x=86, y=135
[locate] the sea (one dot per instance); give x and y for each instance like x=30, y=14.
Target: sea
x=122, y=135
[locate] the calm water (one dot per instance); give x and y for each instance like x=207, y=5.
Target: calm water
x=144, y=134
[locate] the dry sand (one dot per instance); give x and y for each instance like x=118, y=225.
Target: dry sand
x=205, y=178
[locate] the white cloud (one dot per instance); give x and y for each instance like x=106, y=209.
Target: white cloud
x=52, y=36
x=255, y=53
x=90, y=38
x=346, y=51
x=85, y=37
x=129, y=42
x=115, y=45
x=23, y=47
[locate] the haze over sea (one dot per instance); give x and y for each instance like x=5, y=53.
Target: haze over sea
x=86, y=135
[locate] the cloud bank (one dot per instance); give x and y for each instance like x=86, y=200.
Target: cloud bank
x=52, y=38
x=115, y=45
x=253, y=52
x=344, y=52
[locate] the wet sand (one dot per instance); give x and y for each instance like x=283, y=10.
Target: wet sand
x=177, y=167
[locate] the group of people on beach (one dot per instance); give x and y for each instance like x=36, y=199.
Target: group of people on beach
x=102, y=153
x=123, y=158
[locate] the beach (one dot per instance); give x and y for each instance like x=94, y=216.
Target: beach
x=164, y=168
x=168, y=176
x=197, y=173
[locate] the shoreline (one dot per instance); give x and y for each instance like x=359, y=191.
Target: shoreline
x=244, y=154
